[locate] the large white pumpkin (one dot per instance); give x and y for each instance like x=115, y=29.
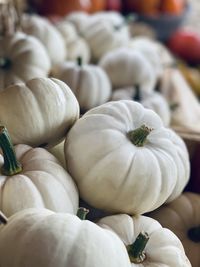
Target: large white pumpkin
x=45, y=239
x=126, y=67
x=47, y=33
x=124, y=160
x=22, y=58
x=33, y=178
x=76, y=46
x=89, y=83
x=154, y=101
x=38, y=113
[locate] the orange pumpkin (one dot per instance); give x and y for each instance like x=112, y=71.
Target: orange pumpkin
x=60, y=7
x=174, y=7
x=97, y=5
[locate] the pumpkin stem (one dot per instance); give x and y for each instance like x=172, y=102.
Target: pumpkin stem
x=194, y=234
x=174, y=106
x=137, y=97
x=139, y=136
x=3, y=218
x=136, y=250
x=82, y=213
x=79, y=61
x=11, y=165
x=5, y=63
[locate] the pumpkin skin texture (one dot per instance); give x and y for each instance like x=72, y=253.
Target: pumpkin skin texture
x=42, y=183
x=76, y=46
x=45, y=109
x=43, y=238
x=49, y=36
x=58, y=152
x=180, y=216
x=79, y=19
x=154, y=101
x=163, y=247
x=126, y=67
x=134, y=177
x=89, y=83
x=26, y=59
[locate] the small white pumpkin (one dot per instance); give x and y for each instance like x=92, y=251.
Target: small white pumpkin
x=38, y=113
x=89, y=83
x=126, y=67
x=103, y=37
x=22, y=58
x=154, y=101
x=47, y=33
x=79, y=19
x=46, y=239
x=43, y=238
x=76, y=46
x=112, y=17
x=147, y=242
x=33, y=178
x=127, y=161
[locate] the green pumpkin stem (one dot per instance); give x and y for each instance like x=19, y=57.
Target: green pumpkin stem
x=137, y=97
x=194, y=234
x=3, y=218
x=136, y=250
x=139, y=136
x=5, y=63
x=82, y=213
x=11, y=165
x=79, y=61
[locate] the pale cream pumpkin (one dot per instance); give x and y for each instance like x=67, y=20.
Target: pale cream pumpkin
x=124, y=160
x=89, y=83
x=33, y=178
x=126, y=67
x=45, y=239
x=47, y=33
x=103, y=37
x=58, y=152
x=22, y=58
x=79, y=19
x=154, y=101
x=38, y=113
x=182, y=216
x=76, y=46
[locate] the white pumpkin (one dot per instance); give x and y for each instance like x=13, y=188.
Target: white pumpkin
x=47, y=33
x=154, y=101
x=33, y=178
x=147, y=242
x=148, y=49
x=43, y=238
x=89, y=83
x=103, y=37
x=112, y=17
x=22, y=58
x=126, y=67
x=124, y=160
x=58, y=152
x=46, y=239
x=76, y=46
x=79, y=19
x=38, y=113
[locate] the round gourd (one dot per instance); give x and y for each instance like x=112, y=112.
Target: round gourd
x=103, y=37
x=154, y=101
x=76, y=46
x=33, y=178
x=127, y=161
x=47, y=33
x=79, y=19
x=58, y=152
x=46, y=239
x=89, y=83
x=38, y=113
x=126, y=67
x=182, y=216
x=22, y=58
x=43, y=238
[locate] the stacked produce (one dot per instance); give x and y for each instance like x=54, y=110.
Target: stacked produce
x=86, y=116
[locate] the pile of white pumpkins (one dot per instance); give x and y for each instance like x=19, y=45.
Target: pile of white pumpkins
x=119, y=156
